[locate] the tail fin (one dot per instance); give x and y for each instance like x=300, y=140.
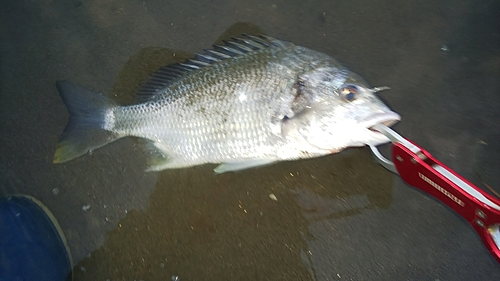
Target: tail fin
x=90, y=122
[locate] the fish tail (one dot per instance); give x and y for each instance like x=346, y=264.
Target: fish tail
x=90, y=123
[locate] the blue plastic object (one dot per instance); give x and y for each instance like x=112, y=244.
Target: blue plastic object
x=32, y=245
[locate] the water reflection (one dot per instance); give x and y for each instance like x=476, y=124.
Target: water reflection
x=227, y=227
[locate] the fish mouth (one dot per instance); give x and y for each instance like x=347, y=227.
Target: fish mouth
x=387, y=118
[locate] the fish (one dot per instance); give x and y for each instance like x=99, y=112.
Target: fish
x=248, y=102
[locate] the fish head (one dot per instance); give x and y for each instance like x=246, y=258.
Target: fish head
x=338, y=109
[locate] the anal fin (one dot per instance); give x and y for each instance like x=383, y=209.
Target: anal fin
x=158, y=157
x=237, y=166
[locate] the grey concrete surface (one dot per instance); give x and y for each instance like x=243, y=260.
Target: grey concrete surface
x=340, y=217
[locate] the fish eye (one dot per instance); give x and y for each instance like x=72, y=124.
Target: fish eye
x=349, y=92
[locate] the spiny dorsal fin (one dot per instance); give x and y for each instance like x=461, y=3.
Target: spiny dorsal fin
x=231, y=48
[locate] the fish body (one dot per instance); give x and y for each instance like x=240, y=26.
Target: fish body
x=251, y=102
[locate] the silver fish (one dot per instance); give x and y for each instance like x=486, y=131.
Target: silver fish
x=253, y=101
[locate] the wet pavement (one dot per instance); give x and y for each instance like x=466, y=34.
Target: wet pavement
x=340, y=217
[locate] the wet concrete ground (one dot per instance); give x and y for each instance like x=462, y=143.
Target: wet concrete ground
x=336, y=217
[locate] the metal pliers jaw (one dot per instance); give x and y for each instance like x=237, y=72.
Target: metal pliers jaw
x=394, y=138
x=419, y=169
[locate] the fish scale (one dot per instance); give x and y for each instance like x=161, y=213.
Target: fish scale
x=254, y=101
x=206, y=100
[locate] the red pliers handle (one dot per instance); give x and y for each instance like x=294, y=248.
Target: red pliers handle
x=419, y=169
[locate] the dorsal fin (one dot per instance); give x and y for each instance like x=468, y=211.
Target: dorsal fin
x=231, y=48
